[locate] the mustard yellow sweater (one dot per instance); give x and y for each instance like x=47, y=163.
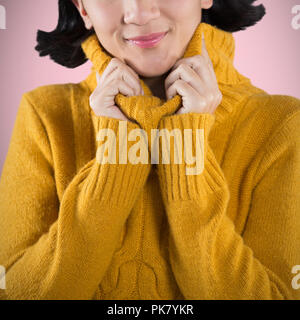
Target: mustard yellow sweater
x=73, y=228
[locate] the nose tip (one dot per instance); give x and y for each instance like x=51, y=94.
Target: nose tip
x=141, y=12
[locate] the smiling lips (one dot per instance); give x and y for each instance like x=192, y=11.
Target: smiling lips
x=148, y=41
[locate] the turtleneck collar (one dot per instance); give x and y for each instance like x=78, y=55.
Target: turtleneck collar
x=221, y=48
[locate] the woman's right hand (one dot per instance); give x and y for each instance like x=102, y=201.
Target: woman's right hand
x=118, y=77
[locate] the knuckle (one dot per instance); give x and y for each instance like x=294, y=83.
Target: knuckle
x=91, y=97
x=178, y=62
x=114, y=61
x=200, y=59
x=203, y=104
x=186, y=66
x=220, y=97
x=182, y=67
x=130, y=70
x=177, y=82
x=210, y=97
x=120, y=74
x=183, y=83
x=116, y=81
x=91, y=103
x=180, y=84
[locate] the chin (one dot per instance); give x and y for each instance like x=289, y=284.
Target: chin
x=151, y=67
x=150, y=73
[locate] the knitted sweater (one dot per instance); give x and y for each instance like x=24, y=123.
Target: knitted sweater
x=72, y=227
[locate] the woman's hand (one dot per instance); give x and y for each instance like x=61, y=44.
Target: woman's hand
x=195, y=80
x=118, y=77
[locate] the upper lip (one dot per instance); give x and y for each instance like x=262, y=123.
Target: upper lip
x=147, y=37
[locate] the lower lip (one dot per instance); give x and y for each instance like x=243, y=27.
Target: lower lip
x=147, y=44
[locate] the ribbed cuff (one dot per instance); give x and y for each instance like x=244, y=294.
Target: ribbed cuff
x=187, y=177
x=119, y=175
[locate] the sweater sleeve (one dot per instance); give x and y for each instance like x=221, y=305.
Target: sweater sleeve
x=210, y=260
x=53, y=250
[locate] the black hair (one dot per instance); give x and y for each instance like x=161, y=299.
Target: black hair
x=63, y=44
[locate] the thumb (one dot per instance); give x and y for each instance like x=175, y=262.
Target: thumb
x=204, y=52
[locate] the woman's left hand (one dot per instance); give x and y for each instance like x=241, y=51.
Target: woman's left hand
x=195, y=81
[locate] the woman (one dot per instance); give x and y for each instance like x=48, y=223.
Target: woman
x=76, y=227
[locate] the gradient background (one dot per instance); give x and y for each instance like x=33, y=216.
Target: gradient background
x=267, y=53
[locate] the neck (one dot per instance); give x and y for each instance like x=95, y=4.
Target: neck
x=157, y=84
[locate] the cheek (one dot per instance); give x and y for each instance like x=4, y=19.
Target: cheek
x=180, y=10
x=106, y=17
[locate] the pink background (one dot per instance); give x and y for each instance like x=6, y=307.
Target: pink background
x=267, y=53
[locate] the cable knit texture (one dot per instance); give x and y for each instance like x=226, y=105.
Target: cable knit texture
x=72, y=227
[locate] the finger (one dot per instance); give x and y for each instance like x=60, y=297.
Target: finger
x=134, y=76
x=183, y=72
x=179, y=87
x=207, y=58
x=171, y=78
x=108, y=70
x=185, y=90
x=179, y=111
x=117, y=70
x=115, y=112
x=98, y=77
x=132, y=81
x=113, y=65
x=198, y=64
x=178, y=62
x=187, y=109
x=204, y=52
x=204, y=70
x=189, y=75
x=132, y=72
x=119, y=86
x=126, y=68
x=125, y=88
x=130, y=69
